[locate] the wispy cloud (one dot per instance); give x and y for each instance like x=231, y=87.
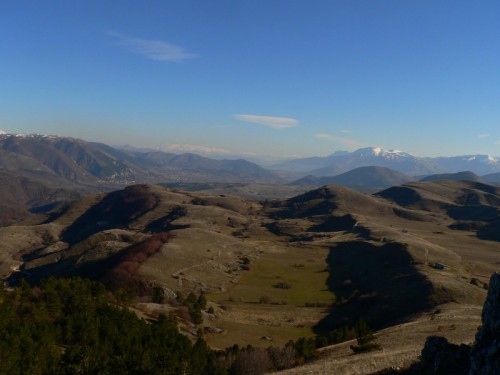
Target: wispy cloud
x=346, y=131
x=483, y=135
x=152, y=49
x=272, y=122
x=497, y=142
x=346, y=142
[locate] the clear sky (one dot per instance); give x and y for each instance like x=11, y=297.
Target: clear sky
x=262, y=77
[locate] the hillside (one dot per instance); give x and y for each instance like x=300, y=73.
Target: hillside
x=372, y=252
x=20, y=197
x=75, y=163
x=72, y=159
x=192, y=168
x=466, y=176
x=493, y=178
x=364, y=179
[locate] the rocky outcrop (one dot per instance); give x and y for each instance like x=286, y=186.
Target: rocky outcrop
x=440, y=357
x=483, y=358
x=485, y=354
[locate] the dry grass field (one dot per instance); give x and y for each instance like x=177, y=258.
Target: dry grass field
x=401, y=344
x=256, y=307
x=283, y=269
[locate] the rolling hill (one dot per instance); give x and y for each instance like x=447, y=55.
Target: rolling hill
x=466, y=175
x=492, y=178
x=365, y=179
x=374, y=253
x=21, y=197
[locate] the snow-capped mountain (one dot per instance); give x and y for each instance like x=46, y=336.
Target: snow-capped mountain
x=341, y=162
x=479, y=164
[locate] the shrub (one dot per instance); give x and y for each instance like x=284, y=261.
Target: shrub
x=364, y=337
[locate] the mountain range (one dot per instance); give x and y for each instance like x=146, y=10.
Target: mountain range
x=90, y=164
x=76, y=162
x=343, y=161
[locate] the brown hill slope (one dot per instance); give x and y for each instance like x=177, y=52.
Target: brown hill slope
x=20, y=197
x=373, y=253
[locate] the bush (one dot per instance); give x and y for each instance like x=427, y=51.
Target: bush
x=364, y=337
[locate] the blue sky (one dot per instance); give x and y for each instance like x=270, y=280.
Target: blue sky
x=256, y=77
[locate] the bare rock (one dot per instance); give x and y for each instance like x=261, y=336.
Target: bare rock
x=441, y=357
x=485, y=354
x=213, y=330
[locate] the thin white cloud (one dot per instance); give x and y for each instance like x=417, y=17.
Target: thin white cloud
x=497, y=142
x=346, y=131
x=153, y=49
x=346, y=142
x=483, y=135
x=271, y=121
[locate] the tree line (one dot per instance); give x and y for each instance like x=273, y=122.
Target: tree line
x=76, y=326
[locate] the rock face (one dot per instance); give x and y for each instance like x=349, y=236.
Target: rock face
x=441, y=357
x=485, y=354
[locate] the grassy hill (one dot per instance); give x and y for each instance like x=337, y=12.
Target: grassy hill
x=279, y=269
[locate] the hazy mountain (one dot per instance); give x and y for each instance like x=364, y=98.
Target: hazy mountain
x=492, y=178
x=73, y=159
x=362, y=179
x=308, y=164
x=403, y=162
x=192, y=167
x=341, y=162
x=78, y=162
x=479, y=164
x=466, y=175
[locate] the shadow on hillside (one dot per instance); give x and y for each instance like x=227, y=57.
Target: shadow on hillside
x=116, y=210
x=119, y=270
x=376, y=283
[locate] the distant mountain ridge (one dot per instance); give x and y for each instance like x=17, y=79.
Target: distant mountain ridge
x=400, y=161
x=71, y=159
x=459, y=176
x=77, y=162
x=365, y=179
